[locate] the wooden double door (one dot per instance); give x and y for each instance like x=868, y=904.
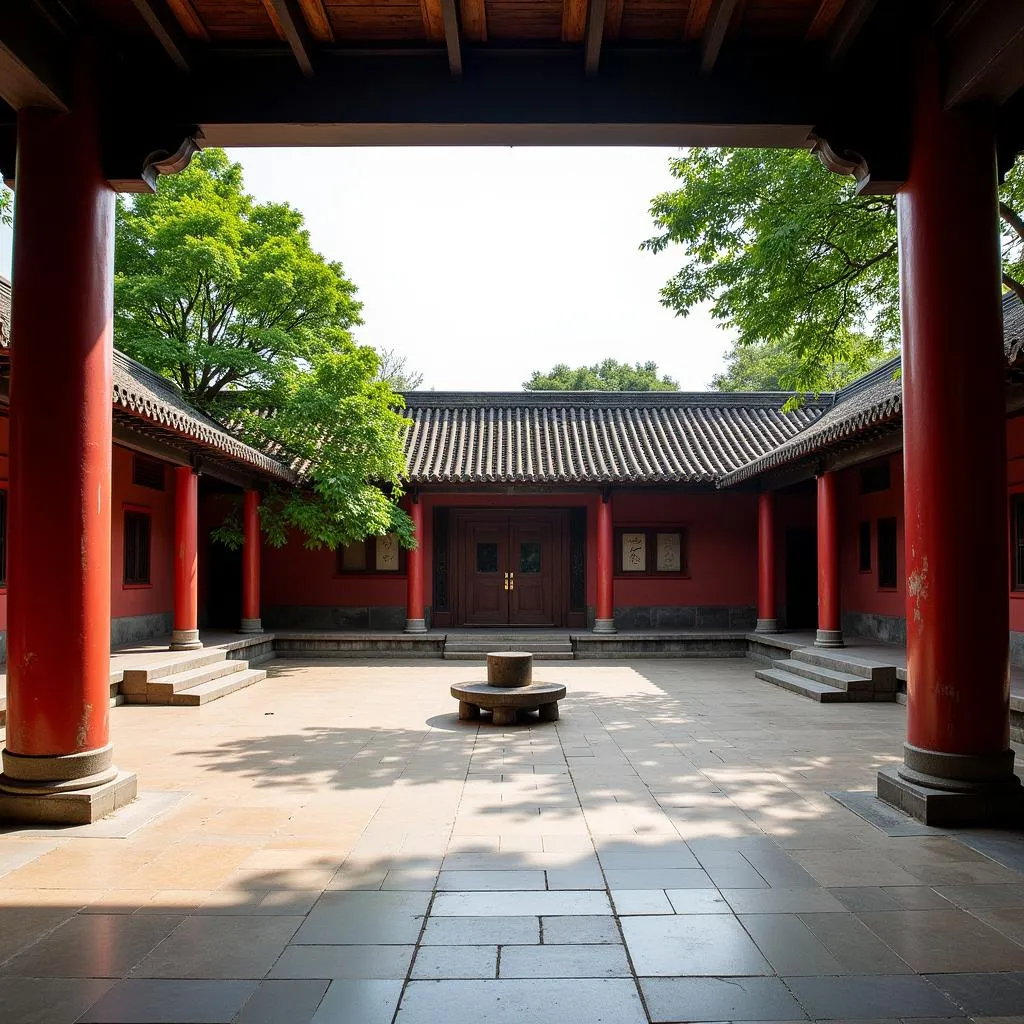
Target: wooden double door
x=511, y=568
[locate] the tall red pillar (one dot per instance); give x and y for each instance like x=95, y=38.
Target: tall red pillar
x=58, y=764
x=958, y=765
x=830, y=628
x=185, y=636
x=766, y=620
x=251, y=621
x=415, y=620
x=604, y=619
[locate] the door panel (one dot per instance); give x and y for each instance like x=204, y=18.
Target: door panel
x=532, y=549
x=485, y=557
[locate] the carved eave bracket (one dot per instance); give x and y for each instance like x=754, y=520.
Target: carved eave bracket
x=163, y=162
x=881, y=177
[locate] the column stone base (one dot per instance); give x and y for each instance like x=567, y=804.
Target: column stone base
x=185, y=640
x=73, y=789
x=954, y=790
x=604, y=626
x=415, y=625
x=251, y=626
x=829, y=638
x=767, y=626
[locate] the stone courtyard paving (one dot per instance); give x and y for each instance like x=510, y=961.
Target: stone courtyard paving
x=332, y=845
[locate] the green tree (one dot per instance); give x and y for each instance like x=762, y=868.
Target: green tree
x=771, y=366
x=608, y=375
x=227, y=298
x=787, y=252
x=6, y=207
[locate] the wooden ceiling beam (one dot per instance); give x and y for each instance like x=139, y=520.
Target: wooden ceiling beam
x=596, y=12
x=33, y=68
x=852, y=18
x=451, y=37
x=288, y=15
x=574, y=20
x=717, y=25
x=473, y=20
x=696, y=19
x=189, y=20
x=164, y=24
x=985, y=60
x=316, y=17
x=433, y=20
x=823, y=20
x=613, y=20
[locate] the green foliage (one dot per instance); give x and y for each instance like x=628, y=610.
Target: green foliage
x=226, y=297
x=787, y=253
x=771, y=366
x=6, y=207
x=607, y=375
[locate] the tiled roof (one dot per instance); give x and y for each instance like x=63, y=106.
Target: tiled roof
x=142, y=395
x=871, y=404
x=592, y=437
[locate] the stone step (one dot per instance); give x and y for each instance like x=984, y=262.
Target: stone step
x=161, y=691
x=802, y=685
x=828, y=676
x=837, y=661
x=481, y=656
x=136, y=677
x=217, y=688
x=489, y=648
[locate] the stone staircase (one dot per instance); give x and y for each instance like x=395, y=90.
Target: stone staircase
x=830, y=676
x=188, y=682
x=476, y=646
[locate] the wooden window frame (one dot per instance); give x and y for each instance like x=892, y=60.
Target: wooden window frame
x=136, y=582
x=1017, y=543
x=895, y=585
x=651, y=547
x=864, y=560
x=370, y=568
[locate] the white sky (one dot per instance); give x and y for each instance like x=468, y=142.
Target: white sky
x=482, y=265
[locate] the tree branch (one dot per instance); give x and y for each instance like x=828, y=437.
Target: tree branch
x=1013, y=219
x=1015, y=286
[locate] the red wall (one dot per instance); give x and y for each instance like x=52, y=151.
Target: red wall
x=5, y=447
x=1015, y=485
x=158, y=595
x=860, y=590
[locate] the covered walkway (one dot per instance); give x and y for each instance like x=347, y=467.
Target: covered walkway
x=332, y=845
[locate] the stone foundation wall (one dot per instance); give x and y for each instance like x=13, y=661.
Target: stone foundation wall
x=336, y=617
x=686, y=617
x=128, y=629
x=888, y=628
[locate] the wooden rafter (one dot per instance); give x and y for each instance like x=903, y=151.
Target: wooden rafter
x=451, y=37
x=985, y=62
x=33, y=68
x=613, y=20
x=474, y=20
x=824, y=18
x=717, y=25
x=316, y=18
x=851, y=20
x=433, y=20
x=595, y=29
x=696, y=18
x=188, y=19
x=574, y=20
x=287, y=17
x=164, y=24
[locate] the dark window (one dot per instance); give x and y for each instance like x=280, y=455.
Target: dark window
x=486, y=557
x=529, y=557
x=651, y=551
x=375, y=554
x=3, y=538
x=148, y=472
x=887, y=553
x=1017, y=526
x=875, y=478
x=136, y=547
x=864, y=547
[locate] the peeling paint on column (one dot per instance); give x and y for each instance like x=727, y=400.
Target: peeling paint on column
x=917, y=590
x=83, y=727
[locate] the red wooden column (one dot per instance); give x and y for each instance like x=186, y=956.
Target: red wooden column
x=251, y=622
x=185, y=636
x=415, y=620
x=958, y=765
x=766, y=620
x=604, y=619
x=830, y=628
x=57, y=764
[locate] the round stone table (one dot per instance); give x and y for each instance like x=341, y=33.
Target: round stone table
x=505, y=702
